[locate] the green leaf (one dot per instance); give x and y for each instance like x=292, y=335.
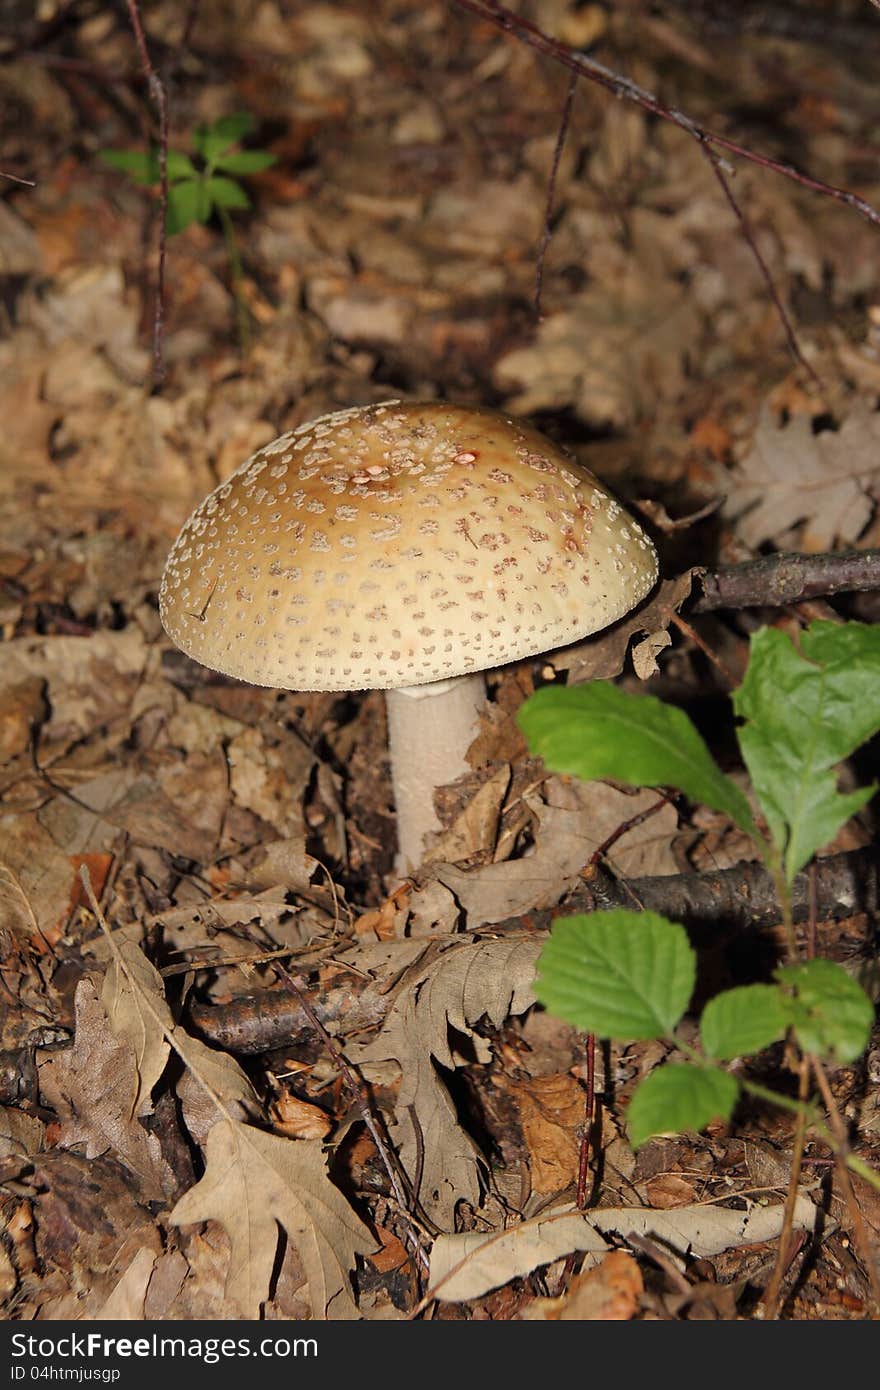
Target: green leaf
x=596, y=730
x=831, y=1014
x=805, y=710
x=187, y=203
x=246, y=162
x=212, y=140
x=742, y=1021
x=180, y=166
x=623, y=975
x=140, y=165
x=225, y=193
x=677, y=1097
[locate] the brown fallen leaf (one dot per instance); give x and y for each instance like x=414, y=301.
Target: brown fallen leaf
x=445, y=997
x=296, y=1119
x=467, y=1266
x=94, y=1087
x=668, y=1190
x=550, y=1109
x=608, y=1293
x=792, y=475
x=253, y=1180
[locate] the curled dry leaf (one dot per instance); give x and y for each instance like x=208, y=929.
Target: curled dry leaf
x=608, y=1293
x=469, y=980
x=467, y=1266
x=254, y=1180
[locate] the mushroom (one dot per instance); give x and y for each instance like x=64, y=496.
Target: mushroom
x=408, y=548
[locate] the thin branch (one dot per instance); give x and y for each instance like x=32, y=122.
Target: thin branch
x=157, y=92
x=546, y=234
x=717, y=169
x=738, y=899
x=773, y=581
x=620, y=86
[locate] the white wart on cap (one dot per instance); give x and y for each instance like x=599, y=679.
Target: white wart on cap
x=397, y=545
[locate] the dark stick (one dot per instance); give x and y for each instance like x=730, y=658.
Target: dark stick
x=739, y=899
x=551, y=190
x=715, y=161
x=621, y=86
x=157, y=92
x=772, y=581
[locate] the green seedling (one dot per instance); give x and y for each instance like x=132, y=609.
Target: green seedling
x=804, y=707
x=205, y=184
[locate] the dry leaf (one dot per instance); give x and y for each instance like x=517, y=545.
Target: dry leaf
x=468, y=981
x=792, y=475
x=253, y=1180
x=126, y=1302
x=490, y=1261
x=94, y=1086
x=550, y=1109
x=609, y=1293
x=136, y=1014
x=296, y=1119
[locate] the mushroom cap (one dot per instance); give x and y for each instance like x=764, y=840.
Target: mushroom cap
x=398, y=544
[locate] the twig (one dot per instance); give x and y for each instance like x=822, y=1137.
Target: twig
x=740, y=899
x=28, y=183
x=157, y=92
x=547, y=232
x=624, y=87
x=841, y=1153
x=770, y=1300
x=690, y=632
x=772, y=581
x=715, y=161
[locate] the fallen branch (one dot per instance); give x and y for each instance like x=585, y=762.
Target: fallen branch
x=772, y=581
x=738, y=899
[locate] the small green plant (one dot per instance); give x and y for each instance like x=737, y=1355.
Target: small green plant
x=626, y=975
x=204, y=184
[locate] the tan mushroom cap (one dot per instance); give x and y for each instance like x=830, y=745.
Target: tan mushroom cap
x=399, y=544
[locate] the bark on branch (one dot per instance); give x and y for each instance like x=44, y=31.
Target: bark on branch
x=736, y=899
x=773, y=581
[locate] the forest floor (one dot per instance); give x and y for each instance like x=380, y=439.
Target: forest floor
x=391, y=251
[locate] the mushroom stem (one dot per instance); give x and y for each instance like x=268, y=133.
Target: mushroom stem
x=430, y=728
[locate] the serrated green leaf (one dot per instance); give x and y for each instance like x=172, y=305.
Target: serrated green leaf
x=212, y=140
x=830, y=1013
x=225, y=193
x=245, y=161
x=184, y=202
x=622, y=975
x=680, y=1097
x=805, y=711
x=140, y=165
x=597, y=730
x=742, y=1021
x=179, y=166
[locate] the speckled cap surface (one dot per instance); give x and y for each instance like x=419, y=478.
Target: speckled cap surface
x=398, y=544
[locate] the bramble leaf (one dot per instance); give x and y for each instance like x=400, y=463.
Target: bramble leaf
x=596, y=730
x=678, y=1097
x=184, y=202
x=806, y=709
x=212, y=140
x=245, y=162
x=226, y=193
x=830, y=1012
x=622, y=975
x=140, y=165
x=743, y=1020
